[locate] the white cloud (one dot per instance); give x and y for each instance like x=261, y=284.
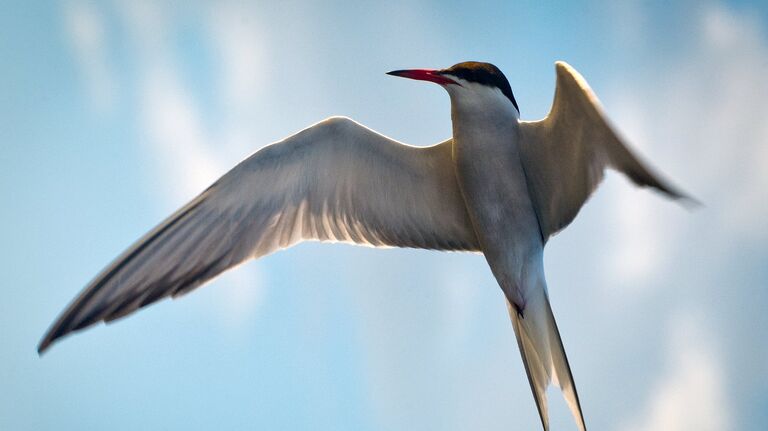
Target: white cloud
x=640, y=250
x=735, y=129
x=84, y=24
x=179, y=146
x=690, y=394
x=710, y=128
x=176, y=137
x=239, y=297
x=234, y=31
x=699, y=113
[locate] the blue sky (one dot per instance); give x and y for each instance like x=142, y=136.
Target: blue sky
x=113, y=114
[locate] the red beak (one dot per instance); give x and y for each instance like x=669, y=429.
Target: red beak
x=424, y=75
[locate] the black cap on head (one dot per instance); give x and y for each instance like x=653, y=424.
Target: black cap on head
x=483, y=73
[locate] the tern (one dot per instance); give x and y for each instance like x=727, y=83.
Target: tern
x=500, y=186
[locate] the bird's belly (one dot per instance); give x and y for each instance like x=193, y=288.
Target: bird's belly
x=496, y=194
x=499, y=203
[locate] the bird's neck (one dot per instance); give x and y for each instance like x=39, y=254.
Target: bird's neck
x=483, y=121
x=476, y=101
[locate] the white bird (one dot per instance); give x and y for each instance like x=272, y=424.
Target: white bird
x=500, y=187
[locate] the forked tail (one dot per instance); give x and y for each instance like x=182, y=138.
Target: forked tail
x=544, y=356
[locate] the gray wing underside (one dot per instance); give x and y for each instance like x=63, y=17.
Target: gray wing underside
x=566, y=154
x=336, y=181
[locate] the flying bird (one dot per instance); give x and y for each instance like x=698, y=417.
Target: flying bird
x=500, y=186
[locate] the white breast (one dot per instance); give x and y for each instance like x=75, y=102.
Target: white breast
x=492, y=179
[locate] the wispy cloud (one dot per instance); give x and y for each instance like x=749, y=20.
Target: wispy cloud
x=734, y=132
x=177, y=140
x=690, y=394
x=234, y=33
x=84, y=23
x=706, y=118
x=711, y=123
x=170, y=120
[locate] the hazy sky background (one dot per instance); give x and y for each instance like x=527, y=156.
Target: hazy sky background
x=115, y=113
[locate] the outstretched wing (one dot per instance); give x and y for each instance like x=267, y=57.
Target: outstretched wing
x=565, y=154
x=335, y=181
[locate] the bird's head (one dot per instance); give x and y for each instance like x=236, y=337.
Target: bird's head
x=469, y=82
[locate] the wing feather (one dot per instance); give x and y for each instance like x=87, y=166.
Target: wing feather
x=335, y=181
x=566, y=153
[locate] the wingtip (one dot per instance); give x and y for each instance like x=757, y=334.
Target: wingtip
x=42, y=347
x=45, y=343
x=53, y=335
x=690, y=203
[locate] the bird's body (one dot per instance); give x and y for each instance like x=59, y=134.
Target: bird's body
x=500, y=186
x=486, y=154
